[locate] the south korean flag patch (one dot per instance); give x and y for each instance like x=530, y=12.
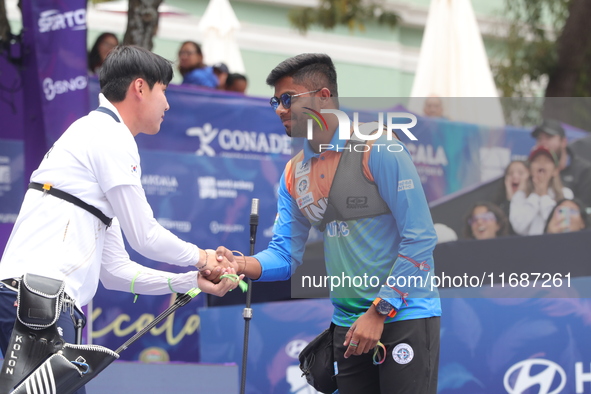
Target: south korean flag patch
x=134, y=169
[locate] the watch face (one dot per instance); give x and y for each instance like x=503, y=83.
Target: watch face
x=384, y=307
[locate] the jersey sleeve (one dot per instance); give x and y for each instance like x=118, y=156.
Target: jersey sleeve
x=119, y=272
x=115, y=159
x=400, y=186
x=290, y=232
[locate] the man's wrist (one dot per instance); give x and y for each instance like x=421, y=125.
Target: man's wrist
x=243, y=269
x=373, y=311
x=202, y=263
x=384, y=308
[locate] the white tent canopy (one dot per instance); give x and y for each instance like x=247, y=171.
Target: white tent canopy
x=218, y=25
x=453, y=63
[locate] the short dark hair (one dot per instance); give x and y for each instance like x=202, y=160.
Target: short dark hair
x=312, y=70
x=125, y=63
x=235, y=77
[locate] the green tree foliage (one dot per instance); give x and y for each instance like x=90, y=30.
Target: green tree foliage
x=547, y=51
x=355, y=14
x=529, y=49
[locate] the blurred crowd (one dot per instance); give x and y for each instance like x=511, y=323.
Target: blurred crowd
x=191, y=65
x=547, y=194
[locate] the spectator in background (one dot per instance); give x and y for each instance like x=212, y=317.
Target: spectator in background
x=516, y=173
x=485, y=221
x=99, y=51
x=192, y=69
x=236, y=83
x=221, y=72
x=532, y=203
x=567, y=216
x=433, y=107
x=575, y=172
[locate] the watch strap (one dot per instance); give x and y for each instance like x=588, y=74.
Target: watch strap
x=392, y=313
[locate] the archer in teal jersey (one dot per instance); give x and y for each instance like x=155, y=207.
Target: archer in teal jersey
x=378, y=228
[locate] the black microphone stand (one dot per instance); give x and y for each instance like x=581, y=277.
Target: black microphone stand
x=247, y=313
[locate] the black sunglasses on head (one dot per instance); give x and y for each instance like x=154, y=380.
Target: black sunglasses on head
x=285, y=99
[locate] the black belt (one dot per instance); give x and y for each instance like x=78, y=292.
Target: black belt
x=47, y=188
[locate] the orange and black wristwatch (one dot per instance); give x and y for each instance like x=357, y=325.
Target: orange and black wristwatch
x=383, y=307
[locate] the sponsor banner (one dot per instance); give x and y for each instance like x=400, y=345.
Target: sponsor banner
x=56, y=32
x=11, y=94
x=11, y=185
x=449, y=156
x=278, y=332
x=206, y=200
x=514, y=346
x=11, y=179
x=117, y=316
x=216, y=125
x=11, y=141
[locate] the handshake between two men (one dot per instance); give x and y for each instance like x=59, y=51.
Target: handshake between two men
x=222, y=272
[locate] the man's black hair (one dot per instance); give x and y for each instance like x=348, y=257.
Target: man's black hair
x=312, y=70
x=125, y=63
x=235, y=77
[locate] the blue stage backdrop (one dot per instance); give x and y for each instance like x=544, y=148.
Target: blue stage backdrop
x=54, y=73
x=488, y=346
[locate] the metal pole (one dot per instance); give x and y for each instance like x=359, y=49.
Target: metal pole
x=247, y=313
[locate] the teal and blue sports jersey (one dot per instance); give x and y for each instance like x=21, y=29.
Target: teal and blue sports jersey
x=388, y=256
